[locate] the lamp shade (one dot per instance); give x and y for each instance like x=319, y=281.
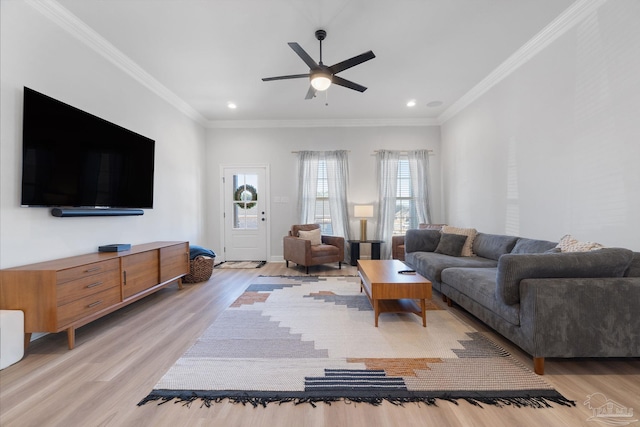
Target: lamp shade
x=363, y=211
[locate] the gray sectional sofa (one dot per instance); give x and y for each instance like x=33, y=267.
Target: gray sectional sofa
x=549, y=303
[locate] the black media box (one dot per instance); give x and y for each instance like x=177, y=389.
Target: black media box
x=116, y=247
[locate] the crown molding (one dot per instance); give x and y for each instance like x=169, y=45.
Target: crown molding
x=319, y=123
x=81, y=31
x=559, y=26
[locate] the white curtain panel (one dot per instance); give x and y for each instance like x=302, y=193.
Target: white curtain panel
x=338, y=182
x=419, y=171
x=307, y=185
x=387, y=170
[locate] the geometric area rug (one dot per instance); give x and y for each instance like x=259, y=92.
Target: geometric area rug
x=312, y=339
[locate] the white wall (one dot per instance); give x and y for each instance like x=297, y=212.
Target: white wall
x=274, y=146
x=38, y=54
x=555, y=147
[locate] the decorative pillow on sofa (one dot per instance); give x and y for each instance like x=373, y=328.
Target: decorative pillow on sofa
x=533, y=246
x=569, y=244
x=313, y=235
x=469, y=232
x=451, y=244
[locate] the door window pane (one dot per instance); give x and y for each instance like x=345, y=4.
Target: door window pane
x=245, y=196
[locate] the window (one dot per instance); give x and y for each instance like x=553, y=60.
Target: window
x=323, y=213
x=405, y=213
x=403, y=193
x=323, y=177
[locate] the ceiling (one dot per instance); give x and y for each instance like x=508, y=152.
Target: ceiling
x=212, y=52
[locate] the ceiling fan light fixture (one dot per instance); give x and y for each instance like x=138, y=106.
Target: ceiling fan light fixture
x=321, y=81
x=320, y=76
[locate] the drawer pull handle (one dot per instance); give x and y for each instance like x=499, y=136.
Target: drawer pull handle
x=93, y=285
x=91, y=270
x=93, y=304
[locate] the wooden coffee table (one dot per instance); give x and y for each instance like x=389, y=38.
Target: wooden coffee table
x=392, y=292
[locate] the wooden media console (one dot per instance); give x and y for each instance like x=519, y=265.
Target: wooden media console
x=67, y=293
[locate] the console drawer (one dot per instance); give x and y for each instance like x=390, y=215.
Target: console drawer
x=90, y=304
x=80, y=288
x=75, y=273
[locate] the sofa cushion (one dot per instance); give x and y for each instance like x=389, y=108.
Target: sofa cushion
x=479, y=284
x=467, y=250
x=492, y=246
x=313, y=235
x=451, y=244
x=532, y=246
x=512, y=268
x=431, y=264
x=634, y=267
x=423, y=240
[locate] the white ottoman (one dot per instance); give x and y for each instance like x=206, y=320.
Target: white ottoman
x=11, y=337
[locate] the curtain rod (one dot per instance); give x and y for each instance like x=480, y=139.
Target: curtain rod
x=375, y=151
x=296, y=152
x=402, y=151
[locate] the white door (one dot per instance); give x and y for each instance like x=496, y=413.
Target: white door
x=245, y=213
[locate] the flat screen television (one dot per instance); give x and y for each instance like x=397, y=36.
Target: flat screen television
x=71, y=158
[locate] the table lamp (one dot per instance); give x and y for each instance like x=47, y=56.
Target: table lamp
x=363, y=212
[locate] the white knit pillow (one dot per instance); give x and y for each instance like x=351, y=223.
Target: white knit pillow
x=469, y=232
x=570, y=244
x=313, y=235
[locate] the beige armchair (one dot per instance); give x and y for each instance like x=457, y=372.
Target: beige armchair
x=397, y=242
x=324, y=250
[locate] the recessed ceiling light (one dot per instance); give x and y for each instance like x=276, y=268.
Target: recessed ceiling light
x=434, y=104
x=411, y=103
x=231, y=105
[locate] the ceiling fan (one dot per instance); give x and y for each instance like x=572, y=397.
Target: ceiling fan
x=321, y=76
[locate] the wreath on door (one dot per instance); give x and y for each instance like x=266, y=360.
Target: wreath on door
x=241, y=196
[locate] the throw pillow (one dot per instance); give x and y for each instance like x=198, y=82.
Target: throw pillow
x=469, y=232
x=451, y=244
x=569, y=244
x=532, y=246
x=313, y=235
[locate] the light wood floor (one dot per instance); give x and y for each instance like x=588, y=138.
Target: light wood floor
x=118, y=360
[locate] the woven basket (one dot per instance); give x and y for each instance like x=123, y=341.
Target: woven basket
x=201, y=268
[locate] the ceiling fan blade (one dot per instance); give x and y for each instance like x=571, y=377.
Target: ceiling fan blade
x=310, y=93
x=304, y=55
x=348, y=84
x=351, y=62
x=292, y=76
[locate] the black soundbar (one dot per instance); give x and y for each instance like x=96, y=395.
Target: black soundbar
x=71, y=212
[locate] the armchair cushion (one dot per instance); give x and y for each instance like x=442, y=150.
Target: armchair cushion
x=323, y=250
